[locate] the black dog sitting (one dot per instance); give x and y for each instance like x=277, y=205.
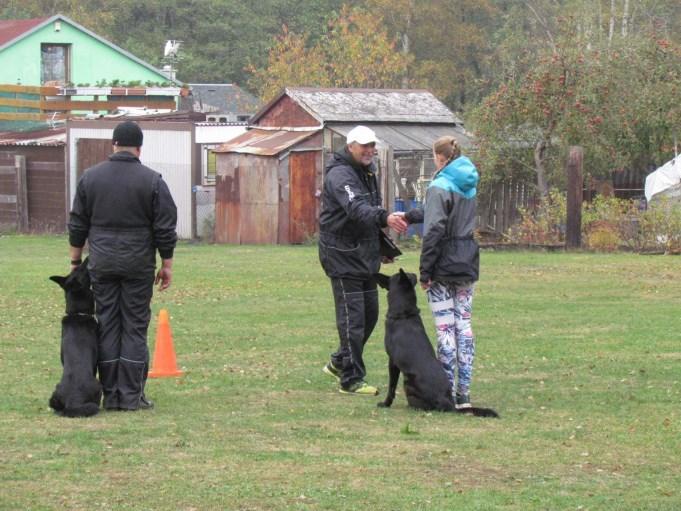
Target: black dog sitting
x=78, y=393
x=409, y=351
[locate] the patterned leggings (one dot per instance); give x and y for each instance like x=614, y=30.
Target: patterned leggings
x=452, y=305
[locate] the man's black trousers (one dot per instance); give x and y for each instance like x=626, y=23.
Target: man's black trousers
x=123, y=313
x=356, y=315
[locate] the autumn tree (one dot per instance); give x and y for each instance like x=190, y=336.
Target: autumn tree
x=354, y=52
x=290, y=63
x=618, y=100
x=450, y=43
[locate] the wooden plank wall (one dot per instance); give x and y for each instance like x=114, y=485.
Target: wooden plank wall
x=45, y=188
x=8, y=192
x=303, y=204
x=286, y=112
x=91, y=151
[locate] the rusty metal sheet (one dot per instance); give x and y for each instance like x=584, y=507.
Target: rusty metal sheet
x=259, y=200
x=264, y=142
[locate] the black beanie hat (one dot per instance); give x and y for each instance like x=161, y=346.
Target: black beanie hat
x=127, y=134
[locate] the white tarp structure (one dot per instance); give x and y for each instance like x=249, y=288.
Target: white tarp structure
x=666, y=178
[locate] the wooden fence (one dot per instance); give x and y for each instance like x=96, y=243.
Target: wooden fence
x=33, y=190
x=13, y=194
x=499, y=205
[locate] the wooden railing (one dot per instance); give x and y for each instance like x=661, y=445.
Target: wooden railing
x=31, y=103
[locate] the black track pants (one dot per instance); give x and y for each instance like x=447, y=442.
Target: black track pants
x=356, y=315
x=123, y=313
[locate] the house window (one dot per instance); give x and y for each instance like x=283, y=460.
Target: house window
x=55, y=63
x=209, y=165
x=242, y=118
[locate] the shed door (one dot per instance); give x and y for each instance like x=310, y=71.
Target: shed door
x=303, y=204
x=90, y=152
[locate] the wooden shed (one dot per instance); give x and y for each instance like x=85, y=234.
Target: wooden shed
x=269, y=180
x=33, y=181
x=267, y=187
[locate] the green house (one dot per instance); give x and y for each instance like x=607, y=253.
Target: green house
x=59, y=51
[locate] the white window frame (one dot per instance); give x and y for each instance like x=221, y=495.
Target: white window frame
x=206, y=179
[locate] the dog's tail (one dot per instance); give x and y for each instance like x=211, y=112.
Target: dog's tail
x=478, y=412
x=85, y=410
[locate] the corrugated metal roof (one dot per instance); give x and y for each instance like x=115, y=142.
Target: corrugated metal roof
x=372, y=105
x=264, y=142
x=410, y=137
x=54, y=138
x=11, y=29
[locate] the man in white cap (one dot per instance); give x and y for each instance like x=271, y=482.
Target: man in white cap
x=349, y=250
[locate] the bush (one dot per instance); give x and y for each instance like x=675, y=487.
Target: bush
x=602, y=236
x=545, y=225
x=660, y=227
x=608, y=223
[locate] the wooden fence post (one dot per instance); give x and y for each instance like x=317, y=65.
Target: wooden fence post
x=573, y=234
x=22, y=193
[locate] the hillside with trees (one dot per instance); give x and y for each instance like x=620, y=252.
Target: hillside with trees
x=530, y=77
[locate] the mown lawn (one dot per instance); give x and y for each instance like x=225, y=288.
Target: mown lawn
x=580, y=354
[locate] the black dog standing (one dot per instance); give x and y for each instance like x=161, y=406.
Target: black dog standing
x=410, y=352
x=78, y=393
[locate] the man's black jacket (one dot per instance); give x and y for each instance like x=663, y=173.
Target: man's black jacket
x=350, y=219
x=126, y=212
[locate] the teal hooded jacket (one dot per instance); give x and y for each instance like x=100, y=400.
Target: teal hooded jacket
x=449, y=253
x=459, y=176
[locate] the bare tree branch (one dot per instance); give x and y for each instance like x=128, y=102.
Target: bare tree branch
x=543, y=23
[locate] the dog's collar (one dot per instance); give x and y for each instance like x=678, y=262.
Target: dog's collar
x=80, y=314
x=403, y=315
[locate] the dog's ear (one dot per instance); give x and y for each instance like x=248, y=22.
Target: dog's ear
x=59, y=280
x=81, y=276
x=412, y=279
x=409, y=278
x=383, y=280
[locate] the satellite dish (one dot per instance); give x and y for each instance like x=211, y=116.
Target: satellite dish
x=171, y=48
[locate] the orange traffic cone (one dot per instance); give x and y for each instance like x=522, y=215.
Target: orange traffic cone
x=164, y=363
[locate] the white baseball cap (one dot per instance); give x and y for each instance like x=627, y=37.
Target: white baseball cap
x=362, y=135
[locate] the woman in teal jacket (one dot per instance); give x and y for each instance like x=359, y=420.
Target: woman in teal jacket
x=450, y=261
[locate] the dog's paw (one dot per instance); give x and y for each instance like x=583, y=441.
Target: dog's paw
x=383, y=404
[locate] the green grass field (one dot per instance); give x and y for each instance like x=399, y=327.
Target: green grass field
x=579, y=353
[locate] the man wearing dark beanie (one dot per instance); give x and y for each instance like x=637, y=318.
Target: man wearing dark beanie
x=126, y=213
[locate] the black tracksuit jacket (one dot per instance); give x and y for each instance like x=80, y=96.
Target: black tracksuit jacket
x=350, y=219
x=126, y=212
